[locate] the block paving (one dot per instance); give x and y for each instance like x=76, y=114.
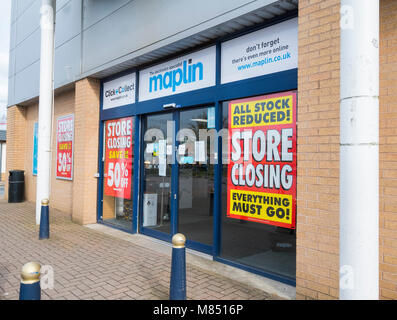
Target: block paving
x=91, y=265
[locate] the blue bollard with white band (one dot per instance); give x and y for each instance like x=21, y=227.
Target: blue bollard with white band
x=44, y=232
x=178, y=268
x=30, y=282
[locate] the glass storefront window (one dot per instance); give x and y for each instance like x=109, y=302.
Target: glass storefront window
x=118, y=160
x=266, y=247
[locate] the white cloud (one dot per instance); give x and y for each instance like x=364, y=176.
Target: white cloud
x=3, y=77
x=3, y=92
x=4, y=63
x=5, y=18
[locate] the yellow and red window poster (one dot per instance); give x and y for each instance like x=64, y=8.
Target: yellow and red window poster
x=261, y=181
x=118, y=157
x=65, y=138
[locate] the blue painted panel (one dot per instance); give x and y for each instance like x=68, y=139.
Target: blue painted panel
x=35, y=146
x=156, y=234
x=175, y=182
x=199, y=247
x=124, y=111
x=100, y=164
x=136, y=175
x=275, y=82
x=217, y=186
x=187, y=99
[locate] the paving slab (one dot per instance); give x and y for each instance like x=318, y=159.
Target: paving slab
x=89, y=264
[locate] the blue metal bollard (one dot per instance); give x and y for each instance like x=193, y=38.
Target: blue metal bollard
x=178, y=268
x=30, y=283
x=44, y=220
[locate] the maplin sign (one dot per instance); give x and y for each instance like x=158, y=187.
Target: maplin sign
x=190, y=72
x=187, y=72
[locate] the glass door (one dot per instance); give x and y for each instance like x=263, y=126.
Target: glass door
x=178, y=176
x=157, y=169
x=196, y=177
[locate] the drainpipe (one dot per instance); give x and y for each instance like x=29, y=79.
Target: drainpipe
x=359, y=150
x=47, y=25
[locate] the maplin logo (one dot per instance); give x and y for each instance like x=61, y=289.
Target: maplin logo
x=119, y=90
x=172, y=79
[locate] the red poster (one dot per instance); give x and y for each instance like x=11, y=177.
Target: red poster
x=65, y=135
x=118, y=157
x=262, y=159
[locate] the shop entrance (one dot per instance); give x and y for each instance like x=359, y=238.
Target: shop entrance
x=178, y=176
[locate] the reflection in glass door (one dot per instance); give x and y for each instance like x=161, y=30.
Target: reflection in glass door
x=196, y=175
x=156, y=198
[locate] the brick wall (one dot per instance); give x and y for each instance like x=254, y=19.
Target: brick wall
x=86, y=150
x=388, y=149
x=30, y=180
x=61, y=190
x=77, y=197
x=318, y=150
x=15, y=141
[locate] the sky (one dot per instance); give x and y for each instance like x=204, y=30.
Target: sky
x=5, y=16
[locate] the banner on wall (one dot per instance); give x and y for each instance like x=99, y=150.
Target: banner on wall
x=65, y=137
x=262, y=162
x=269, y=50
x=118, y=157
x=35, y=146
